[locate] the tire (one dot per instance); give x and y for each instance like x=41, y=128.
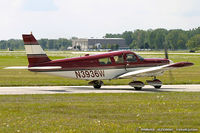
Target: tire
x=138, y=88
x=157, y=87
x=97, y=86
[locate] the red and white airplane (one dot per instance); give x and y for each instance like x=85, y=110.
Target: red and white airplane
x=107, y=66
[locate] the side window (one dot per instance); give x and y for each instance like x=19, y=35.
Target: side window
x=131, y=58
x=119, y=59
x=104, y=61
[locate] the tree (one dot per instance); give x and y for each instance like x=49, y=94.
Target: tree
x=43, y=43
x=127, y=35
x=194, y=42
x=138, y=38
x=157, y=39
x=160, y=38
x=172, y=39
x=113, y=35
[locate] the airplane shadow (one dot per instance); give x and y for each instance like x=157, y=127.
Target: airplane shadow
x=143, y=90
x=58, y=91
x=90, y=88
x=81, y=89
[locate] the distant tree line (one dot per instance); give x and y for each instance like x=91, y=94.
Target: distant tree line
x=55, y=44
x=161, y=38
x=47, y=44
x=11, y=44
x=138, y=39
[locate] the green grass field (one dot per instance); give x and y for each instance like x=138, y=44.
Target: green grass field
x=98, y=113
x=190, y=75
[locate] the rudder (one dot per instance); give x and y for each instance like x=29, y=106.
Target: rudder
x=34, y=51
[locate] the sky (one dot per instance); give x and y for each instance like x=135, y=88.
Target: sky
x=93, y=18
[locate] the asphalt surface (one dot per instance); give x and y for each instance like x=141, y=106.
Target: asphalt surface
x=90, y=89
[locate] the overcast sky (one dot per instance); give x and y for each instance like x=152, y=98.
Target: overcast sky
x=94, y=18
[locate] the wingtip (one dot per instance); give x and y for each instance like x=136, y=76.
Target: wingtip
x=182, y=64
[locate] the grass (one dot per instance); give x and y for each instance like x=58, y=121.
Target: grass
x=189, y=75
x=85, y=113
x=99, y=112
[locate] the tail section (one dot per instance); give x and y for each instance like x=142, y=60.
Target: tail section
x=34, y=51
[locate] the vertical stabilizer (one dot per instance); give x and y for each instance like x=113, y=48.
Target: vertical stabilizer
x=34, y=51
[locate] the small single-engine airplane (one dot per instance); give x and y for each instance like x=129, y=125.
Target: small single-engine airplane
x=107, y=66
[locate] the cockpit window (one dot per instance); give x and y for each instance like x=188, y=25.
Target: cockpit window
x=104, y=61
x=119, y=59
x=131, y=58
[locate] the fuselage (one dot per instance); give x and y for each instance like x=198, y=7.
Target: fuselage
x=98, y=67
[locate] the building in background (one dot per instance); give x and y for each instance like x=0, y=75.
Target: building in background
x=104, y=43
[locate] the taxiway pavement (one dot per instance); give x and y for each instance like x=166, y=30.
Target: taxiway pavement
x=90, y=89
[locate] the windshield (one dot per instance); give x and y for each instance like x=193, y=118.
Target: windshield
x=141, y=58
x=131, y=58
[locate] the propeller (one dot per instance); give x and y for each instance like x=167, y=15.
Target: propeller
x=171, y=77
x=166, y=53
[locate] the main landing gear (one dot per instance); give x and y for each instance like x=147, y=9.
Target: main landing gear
x=96, y=84
x=137, y=85
x=156, y=83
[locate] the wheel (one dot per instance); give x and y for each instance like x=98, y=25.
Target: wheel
x=137, y=85
x=97, y=86
x=156, y=83
x=157, y=87
x=138, y=88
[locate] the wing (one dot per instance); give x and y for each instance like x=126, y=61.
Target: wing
x=154, y=70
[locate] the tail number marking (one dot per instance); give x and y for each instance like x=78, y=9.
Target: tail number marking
x=89, y=74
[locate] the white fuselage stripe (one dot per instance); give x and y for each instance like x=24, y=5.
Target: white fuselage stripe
x=100, y=74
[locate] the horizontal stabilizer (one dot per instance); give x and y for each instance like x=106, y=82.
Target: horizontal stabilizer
x=16, y=67
x=45, y=67
x=34, y=68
